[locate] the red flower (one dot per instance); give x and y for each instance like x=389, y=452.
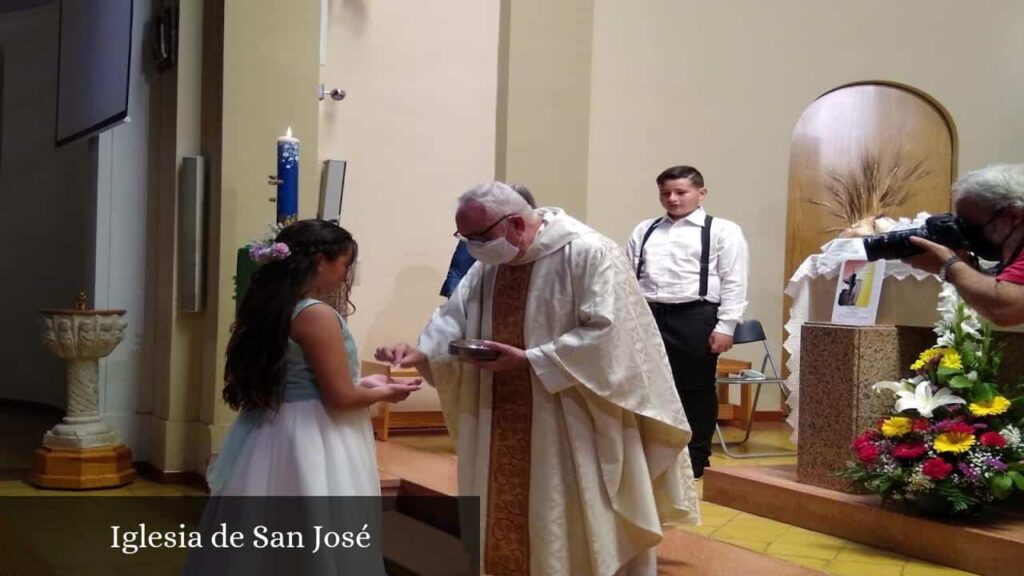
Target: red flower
x=993, y=439
x=865, y=438
x=867, y=453
x=909, y=450
x=960, y=427
x=920, y=425
x=936, y=468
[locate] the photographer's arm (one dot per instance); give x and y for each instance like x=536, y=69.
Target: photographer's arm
x=1002, y=303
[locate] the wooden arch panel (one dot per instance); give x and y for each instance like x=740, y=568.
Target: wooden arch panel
x=838, y=129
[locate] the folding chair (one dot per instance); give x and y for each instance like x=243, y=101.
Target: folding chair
x=749, y=332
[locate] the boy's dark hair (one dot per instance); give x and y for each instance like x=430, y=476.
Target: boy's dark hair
x=677, y=172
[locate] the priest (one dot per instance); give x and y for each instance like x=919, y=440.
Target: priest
x=573, y=437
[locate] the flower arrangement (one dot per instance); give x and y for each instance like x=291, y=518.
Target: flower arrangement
x=953, y=440
x=266, y=249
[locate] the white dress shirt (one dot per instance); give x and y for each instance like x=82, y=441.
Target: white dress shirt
x=671, y=272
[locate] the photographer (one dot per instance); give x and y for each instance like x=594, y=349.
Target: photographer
x=990, y=204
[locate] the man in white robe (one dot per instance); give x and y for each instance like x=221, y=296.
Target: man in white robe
x=574, y=437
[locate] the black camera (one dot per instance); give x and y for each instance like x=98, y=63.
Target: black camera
x=944, y=229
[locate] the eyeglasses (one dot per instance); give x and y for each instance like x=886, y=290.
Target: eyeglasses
x=481, y=236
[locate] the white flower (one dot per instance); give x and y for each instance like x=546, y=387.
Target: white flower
x=946, y=340
x=924, y=401
x=955, y=312
x=972, y=375
x=894, y=387
x=919, y=482
x=1011, y=435
x=971, y=324
x=948, y=300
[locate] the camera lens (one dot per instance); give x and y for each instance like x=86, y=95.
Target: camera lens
x=893, y=245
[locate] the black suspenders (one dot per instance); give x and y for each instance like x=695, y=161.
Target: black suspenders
x=705, y=252
x=705, y=255
x=647, y=235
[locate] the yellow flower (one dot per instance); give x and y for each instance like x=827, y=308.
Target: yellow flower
x=993, y=407
x=955, y=442
x=926, y=357
x=895, y=426
x=951, y=359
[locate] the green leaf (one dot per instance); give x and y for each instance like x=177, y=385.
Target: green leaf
x=969, y=357
x=959, y=382
x=1001, y=485
x=982, y=392
x=1018, y=479
x=960, y=501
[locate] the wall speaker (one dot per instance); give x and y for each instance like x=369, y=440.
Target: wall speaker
x=332, y=188
x=192, y=234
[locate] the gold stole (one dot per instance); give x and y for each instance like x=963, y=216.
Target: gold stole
x=507, y=549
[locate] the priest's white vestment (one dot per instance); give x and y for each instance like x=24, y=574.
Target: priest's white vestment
x=603, y=456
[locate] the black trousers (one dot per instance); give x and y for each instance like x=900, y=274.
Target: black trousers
x=685, y=329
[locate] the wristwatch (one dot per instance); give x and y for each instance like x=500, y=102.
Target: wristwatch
x=944, y=269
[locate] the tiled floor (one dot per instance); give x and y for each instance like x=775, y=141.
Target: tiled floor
x=814, y=550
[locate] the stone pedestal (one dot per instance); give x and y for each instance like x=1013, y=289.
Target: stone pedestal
x=838, y=366
x=82, y=451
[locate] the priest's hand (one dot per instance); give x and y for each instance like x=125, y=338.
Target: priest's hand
x=719, y=342
x=932, y=258
x=402, y=355
x=509, y=358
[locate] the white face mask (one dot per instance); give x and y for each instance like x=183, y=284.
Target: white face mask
x=494, y=252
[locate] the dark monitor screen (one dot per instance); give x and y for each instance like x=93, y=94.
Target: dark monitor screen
x=93, y=66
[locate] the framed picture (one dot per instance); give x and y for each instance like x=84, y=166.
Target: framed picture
x=858, y=289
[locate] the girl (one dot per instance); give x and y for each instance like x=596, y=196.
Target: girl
x=293, y=372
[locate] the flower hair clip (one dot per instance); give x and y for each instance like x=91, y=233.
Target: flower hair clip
x=262, y=254
x=266, y=250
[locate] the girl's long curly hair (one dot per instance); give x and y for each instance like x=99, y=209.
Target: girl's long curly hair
x=254, y=373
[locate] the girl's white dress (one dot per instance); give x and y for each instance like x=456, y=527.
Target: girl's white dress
x=302, y=449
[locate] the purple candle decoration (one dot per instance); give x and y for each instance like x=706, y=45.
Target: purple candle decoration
x=287, y=178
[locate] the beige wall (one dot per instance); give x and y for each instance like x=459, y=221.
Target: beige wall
x=720, y=85
x=544, y=96
x=417, y=128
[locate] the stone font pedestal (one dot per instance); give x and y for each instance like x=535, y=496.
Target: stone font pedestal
x=82, y=451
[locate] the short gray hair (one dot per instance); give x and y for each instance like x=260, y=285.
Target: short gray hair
x=993, y=187
x=498, y=199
